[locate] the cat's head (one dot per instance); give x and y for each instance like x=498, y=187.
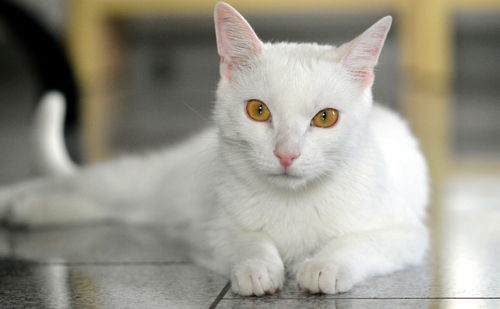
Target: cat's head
x=288, y=113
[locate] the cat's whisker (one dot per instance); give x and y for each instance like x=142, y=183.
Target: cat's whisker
x=194, y=111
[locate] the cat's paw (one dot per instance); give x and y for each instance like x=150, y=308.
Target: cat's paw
x=319, y=276
x=257, y=277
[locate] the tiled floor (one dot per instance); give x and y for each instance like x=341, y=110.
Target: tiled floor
x=121, y=266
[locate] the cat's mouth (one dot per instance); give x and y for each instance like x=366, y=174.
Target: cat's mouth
x=287, y=180
x=284, y=175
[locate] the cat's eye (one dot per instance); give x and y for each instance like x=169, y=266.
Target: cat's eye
x=257, y=110
x=326, y=118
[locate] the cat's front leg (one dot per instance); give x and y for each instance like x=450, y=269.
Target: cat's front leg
x=256, y=267
x=347, y=260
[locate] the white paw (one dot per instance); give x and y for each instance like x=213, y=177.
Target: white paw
x=325, y=277
x=257, y=277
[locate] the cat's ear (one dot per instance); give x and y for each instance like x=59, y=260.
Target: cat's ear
x=237, y=43
x=361, y=54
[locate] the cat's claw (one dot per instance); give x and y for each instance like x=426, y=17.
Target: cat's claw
x=323, y=277
x=257, y=277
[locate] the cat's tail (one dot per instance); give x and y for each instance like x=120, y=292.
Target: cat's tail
x=48, y=135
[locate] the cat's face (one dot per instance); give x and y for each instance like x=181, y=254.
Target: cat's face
x=294, y=82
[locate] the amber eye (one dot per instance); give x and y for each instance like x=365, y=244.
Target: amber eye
x=257, y=110
x=326, y=118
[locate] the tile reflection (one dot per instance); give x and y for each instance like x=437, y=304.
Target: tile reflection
x=56, y=288
x=468, y=239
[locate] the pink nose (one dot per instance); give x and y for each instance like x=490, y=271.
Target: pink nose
x=286, y=159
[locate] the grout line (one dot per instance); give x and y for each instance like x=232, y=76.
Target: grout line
x=220, y=296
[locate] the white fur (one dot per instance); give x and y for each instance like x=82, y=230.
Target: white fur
x=350, y=207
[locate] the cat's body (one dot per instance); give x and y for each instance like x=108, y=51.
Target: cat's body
x=349, y=204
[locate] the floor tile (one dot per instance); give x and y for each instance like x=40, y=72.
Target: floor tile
x=27, y=284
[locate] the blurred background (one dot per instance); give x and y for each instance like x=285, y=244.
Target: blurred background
x=133, y=72
x=139, y=75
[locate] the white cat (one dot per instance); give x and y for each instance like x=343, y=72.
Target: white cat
x=302, y=171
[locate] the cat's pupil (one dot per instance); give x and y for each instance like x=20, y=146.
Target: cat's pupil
x=323, y=116
x=260, y=109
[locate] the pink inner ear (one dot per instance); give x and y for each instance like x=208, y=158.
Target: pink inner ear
x=236, y=40
x=365, y=62
x=367, y=78
x=363, y=52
